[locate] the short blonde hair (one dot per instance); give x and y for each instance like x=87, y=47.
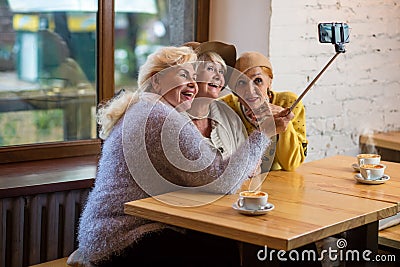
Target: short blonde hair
x=213, y=57
x=109, y=113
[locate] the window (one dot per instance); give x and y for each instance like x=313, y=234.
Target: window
x=55, y=62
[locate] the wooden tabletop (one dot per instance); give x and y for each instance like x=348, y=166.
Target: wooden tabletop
x=336, y=174
x=389, y=140
x=301, y=216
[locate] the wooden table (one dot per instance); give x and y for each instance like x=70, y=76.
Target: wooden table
x=303, y=214
x=390, y=237
x=390, y=140
x=385, y=143
x=336, y=174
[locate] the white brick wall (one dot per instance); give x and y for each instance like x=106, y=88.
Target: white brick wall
x=360, y=91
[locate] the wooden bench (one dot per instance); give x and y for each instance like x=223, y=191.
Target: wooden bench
x=56, y=263
x=390, y=237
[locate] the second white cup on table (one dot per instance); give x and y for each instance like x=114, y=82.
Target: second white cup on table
x=368, y=159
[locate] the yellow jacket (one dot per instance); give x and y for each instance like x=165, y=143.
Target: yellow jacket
x=291, y=146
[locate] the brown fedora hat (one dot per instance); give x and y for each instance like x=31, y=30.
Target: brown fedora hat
x=226, y=51
x=193, y=44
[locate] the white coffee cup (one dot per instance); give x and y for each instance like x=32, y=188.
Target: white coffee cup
x=368, y=159
x=252, y=200
x=372, y=171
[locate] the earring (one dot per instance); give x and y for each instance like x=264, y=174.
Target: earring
x=269, y=94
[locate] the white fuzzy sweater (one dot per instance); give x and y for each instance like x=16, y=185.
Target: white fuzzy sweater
x=153, y=150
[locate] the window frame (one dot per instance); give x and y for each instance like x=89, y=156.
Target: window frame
x=105, y=88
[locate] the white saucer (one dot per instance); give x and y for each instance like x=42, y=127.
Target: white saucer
x=356, y=167
x=261, y=211
x=381, y=180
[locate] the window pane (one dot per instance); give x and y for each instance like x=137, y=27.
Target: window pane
x=47, y=69
x=143, y=26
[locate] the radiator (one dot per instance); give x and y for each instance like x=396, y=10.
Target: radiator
x=39, y=228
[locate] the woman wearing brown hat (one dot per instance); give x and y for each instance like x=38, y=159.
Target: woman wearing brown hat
x=291, y=142
x=216, y=121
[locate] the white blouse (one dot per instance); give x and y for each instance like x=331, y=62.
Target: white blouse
x=228, y=131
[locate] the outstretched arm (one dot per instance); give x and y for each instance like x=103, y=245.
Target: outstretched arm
x=185, y=158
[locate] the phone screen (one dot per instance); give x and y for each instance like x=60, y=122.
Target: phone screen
x=335, y=33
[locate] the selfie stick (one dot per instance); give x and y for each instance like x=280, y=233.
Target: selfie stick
x=314, y=80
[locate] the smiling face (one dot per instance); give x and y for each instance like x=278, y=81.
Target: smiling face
x=253, y=87
x=177, y=86
x=210, y=79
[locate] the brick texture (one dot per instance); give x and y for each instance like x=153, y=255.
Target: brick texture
x=360, y=92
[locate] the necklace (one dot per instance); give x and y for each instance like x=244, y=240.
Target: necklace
x=199, y=118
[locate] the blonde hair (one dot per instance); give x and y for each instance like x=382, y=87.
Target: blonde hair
x=109, y=113
x=214, y=57
x=164, y=58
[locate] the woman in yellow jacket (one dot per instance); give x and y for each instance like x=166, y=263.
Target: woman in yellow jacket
x=291, y=142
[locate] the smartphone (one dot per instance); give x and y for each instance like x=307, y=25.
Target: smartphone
x=335, y=33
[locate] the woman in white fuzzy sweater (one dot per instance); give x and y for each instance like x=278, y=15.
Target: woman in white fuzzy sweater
x=150, y=148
